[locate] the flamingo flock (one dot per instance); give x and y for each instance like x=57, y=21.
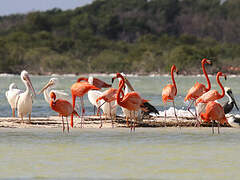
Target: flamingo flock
x=203, y=98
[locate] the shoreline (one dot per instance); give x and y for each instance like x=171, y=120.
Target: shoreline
x=113, y=74
x=94, y=122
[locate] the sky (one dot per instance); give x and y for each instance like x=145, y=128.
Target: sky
x=8, y=7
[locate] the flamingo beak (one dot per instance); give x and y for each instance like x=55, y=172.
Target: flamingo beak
x=113, y=79
x=177, y=72
x=209, y=62
x=30, y=84
x=225, y=77
x=45, y=87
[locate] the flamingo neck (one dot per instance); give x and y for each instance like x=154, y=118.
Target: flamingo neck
x=120, y=91
x=173, y=80
x=206, y=75
x=223, y=92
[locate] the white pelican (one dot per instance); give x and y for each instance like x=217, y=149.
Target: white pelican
x=94, y=94
x=12, y=96
x=47, y=89
x=24, y=102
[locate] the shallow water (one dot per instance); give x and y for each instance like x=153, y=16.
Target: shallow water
x=156, y=153
x=150, y=88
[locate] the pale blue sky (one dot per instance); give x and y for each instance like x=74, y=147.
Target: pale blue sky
x=24, y=6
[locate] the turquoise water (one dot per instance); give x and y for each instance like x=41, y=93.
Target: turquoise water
x=150, y=88
x=148, y=153
x=157, y=153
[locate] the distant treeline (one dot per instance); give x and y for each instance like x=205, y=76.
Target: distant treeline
x=131, y=36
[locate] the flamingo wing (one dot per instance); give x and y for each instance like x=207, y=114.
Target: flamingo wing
x=195, y=92
x=63, y=107
x=211, y=95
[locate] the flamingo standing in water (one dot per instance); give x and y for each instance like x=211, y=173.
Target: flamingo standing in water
x=63, y=107
x=169, y=92
x=214, y=111
x=212, y=95
x=131, y=101
x=79, y=89
x=12, y=96
x=198, y=89
x=108, y=96
x=24, y=101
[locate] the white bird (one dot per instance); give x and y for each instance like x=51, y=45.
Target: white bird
x=234, y=121
x=12, y=96
x=47, y=89
x=94, y=94
x=24, y=101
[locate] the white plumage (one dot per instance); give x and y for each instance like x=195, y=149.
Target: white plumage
x=24, y=101
x=12, y=95
x=94, y=94
x=47, y=89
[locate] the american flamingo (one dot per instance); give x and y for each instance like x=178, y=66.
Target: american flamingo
x=47, y=89
x=212, y=95
x=131, y=101
x=148, y=108
x=79, y=89
x=63, y=107
x=214, y=112
x=24, y=101
x=169, y=92
x=108, y=96
x=12, y=95
x=198, y=89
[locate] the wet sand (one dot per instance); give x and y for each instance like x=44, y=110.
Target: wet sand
x=94, y=122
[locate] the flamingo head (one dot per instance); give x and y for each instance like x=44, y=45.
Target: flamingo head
x=174, y=68
x=205, y=60
x=118, y=75
x=25, y=78
x=53, y=95
x=51, y=82
x=82, y=79
x=222, y=74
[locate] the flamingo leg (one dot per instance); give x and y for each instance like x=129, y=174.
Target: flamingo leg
x=134, y=120
x=67, y=124
x=212, y=128
x=188, y=108
x=98, y=109
x=73, y=99
x=63, y=128
x=176, y=115
x=127, y=121
x=218, y=128
x=111, y=113
x=83, y=111
x=165, y=116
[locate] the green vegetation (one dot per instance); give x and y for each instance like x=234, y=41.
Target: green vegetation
x=133, y=36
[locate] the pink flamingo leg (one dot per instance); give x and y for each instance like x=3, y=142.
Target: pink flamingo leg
x=63, y=128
